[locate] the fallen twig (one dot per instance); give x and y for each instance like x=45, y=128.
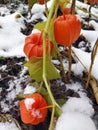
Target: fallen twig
x=94, y=86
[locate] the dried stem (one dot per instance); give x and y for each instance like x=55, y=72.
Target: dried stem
x=84, y=10
x=70, y=62
x=92, y=61
x=94, y=86
x=46, y=8
x=69, y=51
x=75, y=56
x=61, y=63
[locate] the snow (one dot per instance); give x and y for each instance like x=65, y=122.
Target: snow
x=81, y=105
x=86, y=62
x=94, y=24
x=36, y=113
x=85, y=7
x=29, y=89
x=8, y=126
x=29, y=102
x=11, y=39
x=91, y=36
x=74, y=121
x=77, y=113
x=77, y=87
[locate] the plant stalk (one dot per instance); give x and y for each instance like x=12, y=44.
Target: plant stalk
x=84, y=10
x=92, y=62
x=69, y=51
x=61, y=63
x=70, y=62
x=45, y=33
x=52, y=118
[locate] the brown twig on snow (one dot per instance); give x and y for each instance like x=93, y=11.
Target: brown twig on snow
x=94, y=86
x=93, y=55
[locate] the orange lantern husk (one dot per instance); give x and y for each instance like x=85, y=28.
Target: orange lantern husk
x=34, y=45
x=35, y=114
x=92, y=2
x=66, y=10
x=67, y=29
x=41, y=2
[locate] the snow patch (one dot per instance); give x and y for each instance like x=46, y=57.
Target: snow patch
x=29, y=89
x=81, y=105
x=8, y=126
x=74, y=121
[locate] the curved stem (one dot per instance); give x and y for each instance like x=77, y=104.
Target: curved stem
x=52, y=119
x=92, y=61
x=45, y=35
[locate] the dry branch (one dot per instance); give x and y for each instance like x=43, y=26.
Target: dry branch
x=94, y=86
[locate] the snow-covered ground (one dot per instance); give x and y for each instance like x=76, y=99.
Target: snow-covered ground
x=77, y=112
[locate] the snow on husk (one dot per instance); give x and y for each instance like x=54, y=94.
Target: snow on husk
x=77, y=112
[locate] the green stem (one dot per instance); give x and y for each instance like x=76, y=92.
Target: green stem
x=49, y=90
x=92, y=61
x=52, y=119
x=45, y=35
x=52, y=10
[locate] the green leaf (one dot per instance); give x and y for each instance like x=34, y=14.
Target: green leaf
x=60, y=101
x=35, y=66
x=40, y=26
x=58, y=112
x=52, y=72
x=31, y=2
